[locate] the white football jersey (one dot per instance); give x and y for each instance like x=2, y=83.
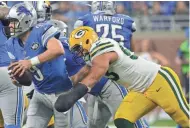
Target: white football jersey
x=134, y=72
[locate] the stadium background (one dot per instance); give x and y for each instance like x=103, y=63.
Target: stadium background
x=163, y=24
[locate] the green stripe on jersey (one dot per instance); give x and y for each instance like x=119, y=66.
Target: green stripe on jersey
x=100, y=49
x=100, y=45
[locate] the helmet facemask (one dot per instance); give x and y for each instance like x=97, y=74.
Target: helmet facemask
x=79, y=55
x=13, y=28
x=107, y=7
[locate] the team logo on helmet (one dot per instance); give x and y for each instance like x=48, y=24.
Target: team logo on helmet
x=22, y=9
x=80, y=34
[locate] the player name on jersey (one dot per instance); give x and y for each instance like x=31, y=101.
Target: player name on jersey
x=118, y=20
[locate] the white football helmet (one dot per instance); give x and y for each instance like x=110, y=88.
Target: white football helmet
x=108, y=7
x=61, y=26
x=43, y=10
x=22, y=17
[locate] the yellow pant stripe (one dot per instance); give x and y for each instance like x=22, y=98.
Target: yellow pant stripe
x=176, y=90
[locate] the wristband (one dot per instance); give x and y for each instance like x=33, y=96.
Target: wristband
x=35, y=61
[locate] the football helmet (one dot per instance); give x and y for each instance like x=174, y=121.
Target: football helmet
x=61, y=26
x=82, y=39
x=107, y=7
x=22, y=17
x=43, y=9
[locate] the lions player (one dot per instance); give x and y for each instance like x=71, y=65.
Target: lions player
x=150, y=84
x=108, y=24
x=11, y=97
x=44, y=57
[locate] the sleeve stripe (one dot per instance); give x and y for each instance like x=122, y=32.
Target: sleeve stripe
x=100, y=49
x=100, y=45
x=47, y=34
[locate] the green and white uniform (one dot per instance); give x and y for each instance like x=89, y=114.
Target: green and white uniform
x=133, y=72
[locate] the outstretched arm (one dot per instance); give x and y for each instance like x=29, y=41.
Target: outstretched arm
x=100, y=65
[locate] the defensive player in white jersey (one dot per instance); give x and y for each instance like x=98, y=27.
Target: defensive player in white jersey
x=150, y=84
x=107, y=23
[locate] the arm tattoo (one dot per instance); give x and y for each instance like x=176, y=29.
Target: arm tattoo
x=3, y=12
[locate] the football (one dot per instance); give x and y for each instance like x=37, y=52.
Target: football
x=25, y=79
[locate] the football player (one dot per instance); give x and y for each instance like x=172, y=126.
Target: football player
x=108, y=24
x=43, y=54
x=106, y=95
x=11, y=97
x=150, y=84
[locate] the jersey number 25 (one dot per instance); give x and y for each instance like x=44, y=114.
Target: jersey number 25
x=107, y=28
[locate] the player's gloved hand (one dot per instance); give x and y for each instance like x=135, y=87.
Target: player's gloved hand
x=68, y=99
x=30, y=94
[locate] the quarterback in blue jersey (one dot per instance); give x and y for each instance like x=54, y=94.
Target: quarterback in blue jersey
x=44, y=57
x=108, y=24
x=11, y=98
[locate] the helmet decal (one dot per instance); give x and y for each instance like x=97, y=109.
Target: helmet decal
x=22, y=9
x=80, y=34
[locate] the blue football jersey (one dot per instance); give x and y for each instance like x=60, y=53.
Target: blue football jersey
x=15, y=49
x=118, y=26
x=51, y=76
x=4, y=58
x=73, y=67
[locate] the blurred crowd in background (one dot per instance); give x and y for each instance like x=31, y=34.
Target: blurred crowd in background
x=70, y=11
x=148, y=15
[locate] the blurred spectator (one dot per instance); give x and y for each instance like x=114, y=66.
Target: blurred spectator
x=69, y=12
x=168, y=7
x=181, y=8
x=140, y=8
x=156, y=9
x=182, y=59
x=120, y=8
x=148, y=52
x=124, y=7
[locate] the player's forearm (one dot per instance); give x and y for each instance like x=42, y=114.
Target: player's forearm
x=3, y=12
x=49, y=55
x=94, y=75
x=80, y=75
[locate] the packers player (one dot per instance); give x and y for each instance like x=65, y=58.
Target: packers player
x=107, y=23
x=150, y=84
